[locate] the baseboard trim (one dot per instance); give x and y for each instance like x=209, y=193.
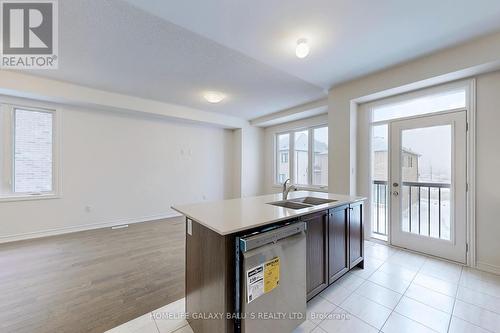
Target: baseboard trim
x=85, y=227
x=488, y=268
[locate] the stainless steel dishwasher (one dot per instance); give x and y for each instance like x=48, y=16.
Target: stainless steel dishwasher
x=273, y=282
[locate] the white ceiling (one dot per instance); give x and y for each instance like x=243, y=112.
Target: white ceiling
x=172, y=51
x=111, y=45
x=348, y=38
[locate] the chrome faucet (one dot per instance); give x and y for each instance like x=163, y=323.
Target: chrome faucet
x=287, y=189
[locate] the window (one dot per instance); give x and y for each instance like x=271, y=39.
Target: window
x=283, y=167
x=320, y=157
x=284, y=157
x=303, y=156
x=446, y=100
x=27, y=163
x=407, y=160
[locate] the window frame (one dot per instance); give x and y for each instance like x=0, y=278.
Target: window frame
x=311, y=156
x=309, y=162
x=284, y=157
x=277, y=157
x=8, y=173
x=291, y=157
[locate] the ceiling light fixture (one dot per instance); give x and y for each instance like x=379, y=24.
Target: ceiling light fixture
x=302, y=49
x=214, y=96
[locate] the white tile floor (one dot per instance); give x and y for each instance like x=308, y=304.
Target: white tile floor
x=167, y=319
x=397, y=292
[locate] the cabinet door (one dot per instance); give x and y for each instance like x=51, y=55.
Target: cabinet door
x=317, y=253
x=338, y=244
x=356, y=234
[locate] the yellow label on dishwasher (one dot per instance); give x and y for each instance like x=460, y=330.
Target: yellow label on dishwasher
x=271, y=274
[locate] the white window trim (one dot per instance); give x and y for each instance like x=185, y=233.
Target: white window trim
x=291, y=158
x=8, y=173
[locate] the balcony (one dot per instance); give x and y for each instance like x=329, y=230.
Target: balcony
x=380, y=213
x=425, y=209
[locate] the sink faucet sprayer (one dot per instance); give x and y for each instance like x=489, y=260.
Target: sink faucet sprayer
x=287, y=189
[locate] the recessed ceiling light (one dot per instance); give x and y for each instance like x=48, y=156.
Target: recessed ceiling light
x=214, y=96
x=302, y=48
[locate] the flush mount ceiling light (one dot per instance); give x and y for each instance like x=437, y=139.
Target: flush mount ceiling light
x=214, y=96
x=302, y=48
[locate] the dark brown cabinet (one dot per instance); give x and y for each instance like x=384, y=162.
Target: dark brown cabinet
x=334, y=245
x=356, y=235
x=317, y=252
x=338, y=251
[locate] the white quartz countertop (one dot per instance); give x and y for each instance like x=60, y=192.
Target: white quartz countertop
x=230, y=216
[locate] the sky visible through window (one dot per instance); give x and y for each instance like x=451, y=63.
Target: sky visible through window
x=433, y=146
x=422, y=105
x=321, y=136
x=320, y=156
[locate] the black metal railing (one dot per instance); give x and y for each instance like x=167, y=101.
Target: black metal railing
x=422, y=207
x=425, y=198
x=380, y=211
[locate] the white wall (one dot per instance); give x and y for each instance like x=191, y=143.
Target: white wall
x=364, y=160
x=248, y=161
x=237, y=165
x=252, y=161
x=269, y=135
x=126, y=168
x=487, y=171
x=454, y=63
x=465, y=60
x=127, y=135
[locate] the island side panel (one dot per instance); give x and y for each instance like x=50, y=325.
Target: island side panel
x=210, y=263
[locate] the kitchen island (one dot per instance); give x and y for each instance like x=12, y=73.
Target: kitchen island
x=215, y=293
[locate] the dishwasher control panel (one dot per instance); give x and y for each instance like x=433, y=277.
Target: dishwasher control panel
x=270, y=236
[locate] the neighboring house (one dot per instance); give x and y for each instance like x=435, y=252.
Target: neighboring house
x=301, y=148
x=283, y=164
x=320, y=172
x=380, y=162
x=410, y=165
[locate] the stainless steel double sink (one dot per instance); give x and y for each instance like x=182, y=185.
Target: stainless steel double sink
x=300, y=203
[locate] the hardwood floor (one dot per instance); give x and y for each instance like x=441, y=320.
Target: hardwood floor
x=91, y=281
